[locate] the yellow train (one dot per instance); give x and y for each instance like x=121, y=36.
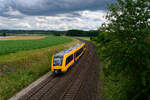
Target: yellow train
x=64, y=59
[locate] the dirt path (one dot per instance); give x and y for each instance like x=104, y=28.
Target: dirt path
x=79, y=83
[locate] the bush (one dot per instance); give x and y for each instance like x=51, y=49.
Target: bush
x=57, y=34
x=125, y=50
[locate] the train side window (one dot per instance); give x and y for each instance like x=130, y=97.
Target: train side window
x=69, y=59
x=81, y=49
x=79, y=52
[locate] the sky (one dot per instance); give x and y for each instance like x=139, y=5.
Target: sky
x=52, y=14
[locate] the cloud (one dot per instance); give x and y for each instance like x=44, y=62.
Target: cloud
x=22, y=25
x=52, y=14
x=3, y=25
x=49, y=7
x=88, y=20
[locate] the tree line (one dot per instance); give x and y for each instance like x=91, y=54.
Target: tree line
x=53, y=32
x=30, y=32
x=82, y=33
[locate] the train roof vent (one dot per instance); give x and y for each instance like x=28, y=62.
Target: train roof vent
x=62, y=53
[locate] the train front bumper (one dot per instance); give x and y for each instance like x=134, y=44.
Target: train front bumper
x=56, y=68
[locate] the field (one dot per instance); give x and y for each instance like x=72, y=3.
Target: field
x=12, y=46
x=17, y=70
x=84, y=38
x=23, y=38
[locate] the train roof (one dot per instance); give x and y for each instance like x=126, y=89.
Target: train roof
x=62, y=53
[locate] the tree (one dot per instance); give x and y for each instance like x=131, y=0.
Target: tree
x=4, y=34
x=125, y=42
x=81, y=33
x=57, y=33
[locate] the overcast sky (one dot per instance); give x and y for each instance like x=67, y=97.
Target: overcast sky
x=52, y=14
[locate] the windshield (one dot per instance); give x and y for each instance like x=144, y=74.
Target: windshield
x=57, y=61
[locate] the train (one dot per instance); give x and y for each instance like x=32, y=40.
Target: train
x=63, y=60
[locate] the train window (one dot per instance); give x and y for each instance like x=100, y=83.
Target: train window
x=81, y=49
x=79, y=52
x=69, y=59
x=57, y=61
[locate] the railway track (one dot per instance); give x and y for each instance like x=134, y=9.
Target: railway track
x=36, y=89
x=73, y=89
x=73, y=85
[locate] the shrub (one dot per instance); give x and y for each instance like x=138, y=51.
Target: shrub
x=125, y=49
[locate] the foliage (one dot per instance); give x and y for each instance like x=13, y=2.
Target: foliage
x=4, y=34
x=31, y=32
x=125, y=50
x=81, y=33
x=57, y=34
x=12, y=46
x=73, y=32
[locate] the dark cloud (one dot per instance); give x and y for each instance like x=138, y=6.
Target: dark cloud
x=50, y=7
x=52, y=14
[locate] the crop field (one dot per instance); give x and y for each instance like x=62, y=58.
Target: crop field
x=12, y=46
x=22, y=38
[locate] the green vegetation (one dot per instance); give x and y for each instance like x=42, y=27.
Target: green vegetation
x=84, y=38
x=19, y=69
x=73, y=32
x=81, y=33
x=4, y=34
x=124, y=49
x=31, y=32
x=12, y=46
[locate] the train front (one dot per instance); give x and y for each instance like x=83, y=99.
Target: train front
x=56, y=64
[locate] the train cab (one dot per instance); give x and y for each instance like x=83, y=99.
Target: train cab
x=57, y=63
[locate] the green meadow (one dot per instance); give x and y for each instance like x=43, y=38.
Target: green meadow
x=12, y=46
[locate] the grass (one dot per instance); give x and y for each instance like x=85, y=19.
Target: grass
x=12, y=46
x=19, y=69
x=84, y=38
